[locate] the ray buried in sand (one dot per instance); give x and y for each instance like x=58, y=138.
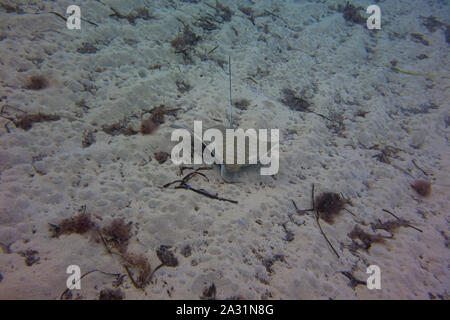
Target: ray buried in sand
x=231, y=147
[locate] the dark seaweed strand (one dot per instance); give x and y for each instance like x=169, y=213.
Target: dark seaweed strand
x=316, y=212
x=231, y=101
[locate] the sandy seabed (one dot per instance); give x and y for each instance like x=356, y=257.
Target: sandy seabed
x=380, y=130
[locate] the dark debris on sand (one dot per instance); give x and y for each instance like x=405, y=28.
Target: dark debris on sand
x=111, y=294
x=294, y=102
x=167, y=257
x=352, y=13
x=80, y=224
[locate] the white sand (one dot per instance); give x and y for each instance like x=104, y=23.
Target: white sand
x=340, y=68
